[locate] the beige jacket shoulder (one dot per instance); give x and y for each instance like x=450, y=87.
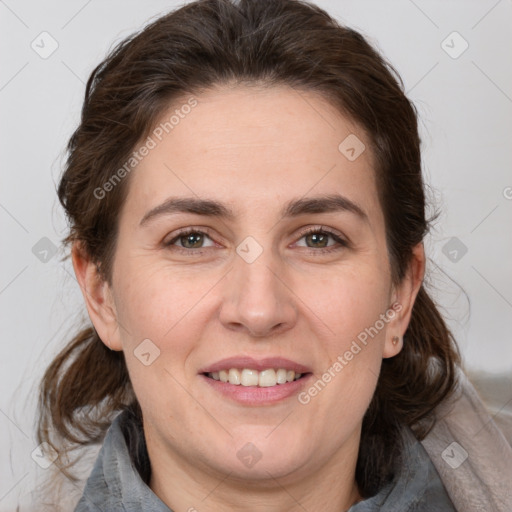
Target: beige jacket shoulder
x=472, y=454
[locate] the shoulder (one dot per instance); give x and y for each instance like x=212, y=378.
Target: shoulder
x=471, y=452
x=495, y=392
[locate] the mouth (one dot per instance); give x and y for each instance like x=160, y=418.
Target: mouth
x=250, y=377
x=253, y=382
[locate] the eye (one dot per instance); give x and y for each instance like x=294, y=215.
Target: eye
x=318, y=236
x=189, y=238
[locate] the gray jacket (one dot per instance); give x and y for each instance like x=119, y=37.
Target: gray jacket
x=116, y=485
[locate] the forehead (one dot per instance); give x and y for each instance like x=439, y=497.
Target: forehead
x=249, y=145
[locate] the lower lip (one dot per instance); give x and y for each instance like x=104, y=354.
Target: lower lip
x=254, y=395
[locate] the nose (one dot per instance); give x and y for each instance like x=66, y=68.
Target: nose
x=257, y=299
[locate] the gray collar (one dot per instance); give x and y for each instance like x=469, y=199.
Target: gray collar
x=114, y=484
x=416, y=488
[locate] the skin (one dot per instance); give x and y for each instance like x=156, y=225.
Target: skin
x=253, y=149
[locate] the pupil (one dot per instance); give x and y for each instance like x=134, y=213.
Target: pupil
x=190, y=238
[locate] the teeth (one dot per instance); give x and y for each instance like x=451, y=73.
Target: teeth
x=234, y=376
x=281, y=376
x=250, y=377
x=267, y=378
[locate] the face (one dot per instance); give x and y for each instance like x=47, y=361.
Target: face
x=283, y=283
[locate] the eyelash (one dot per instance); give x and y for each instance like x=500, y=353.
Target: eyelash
x=343, y=244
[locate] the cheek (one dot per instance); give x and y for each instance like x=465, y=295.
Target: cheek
x=156, y=302
x=165, y=309
x=348, y=302
x=351, y=306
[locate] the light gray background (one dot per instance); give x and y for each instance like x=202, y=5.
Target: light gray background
x=465, y=105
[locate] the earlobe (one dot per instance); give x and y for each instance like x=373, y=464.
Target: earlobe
x=405, y=295
x=97, y=296
x=392, y=346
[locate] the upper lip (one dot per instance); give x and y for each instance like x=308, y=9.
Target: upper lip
x=255, y=364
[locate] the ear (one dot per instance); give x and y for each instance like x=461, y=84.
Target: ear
x=404, y=296
x=98, y=297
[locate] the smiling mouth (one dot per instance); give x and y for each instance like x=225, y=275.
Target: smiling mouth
x=249, y=377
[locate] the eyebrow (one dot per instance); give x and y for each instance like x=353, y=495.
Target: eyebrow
x=294, y=208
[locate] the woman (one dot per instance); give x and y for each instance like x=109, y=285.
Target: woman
x=247, y=218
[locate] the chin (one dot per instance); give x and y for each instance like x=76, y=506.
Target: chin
x=263, y=458
x=264, y=471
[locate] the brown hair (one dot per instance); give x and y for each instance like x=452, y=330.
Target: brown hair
x=269, y=42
